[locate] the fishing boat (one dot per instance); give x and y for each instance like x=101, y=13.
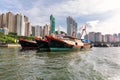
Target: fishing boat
x=28, y=44
x=42, y=44
x=66, y=43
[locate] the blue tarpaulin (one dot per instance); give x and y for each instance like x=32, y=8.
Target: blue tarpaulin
x=86, y=41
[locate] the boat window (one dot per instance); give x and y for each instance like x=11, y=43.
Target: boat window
x=76, y=43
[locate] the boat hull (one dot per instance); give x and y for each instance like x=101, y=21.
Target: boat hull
x=56, y=44
x=26, y=44
x=43, y=45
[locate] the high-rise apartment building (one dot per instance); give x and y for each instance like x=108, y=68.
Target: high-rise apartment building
x=119, y=36
x=37, y=31
x=27, y=26
x=115, y=38
x=110, y=38
x=98, y=37
x=18, y=24
x=33, y=30
x=10, y=21
x=71, y=27
x=0, y=20
x=22, y=26
x=104, y=38
x=41, y=31
x=46, y=30
x=15, y=23
x=91, y=36
x=3, y=21
x=27, y=29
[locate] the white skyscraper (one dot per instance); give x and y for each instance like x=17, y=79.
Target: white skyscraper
x=38, y=31
x=20, y=25
x=46, y=30
x=23, y=26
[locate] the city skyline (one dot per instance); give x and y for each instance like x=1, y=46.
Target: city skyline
x=15, y=23
x=101, y=15
x=99, y=37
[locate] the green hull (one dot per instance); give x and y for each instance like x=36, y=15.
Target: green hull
x=58, y=49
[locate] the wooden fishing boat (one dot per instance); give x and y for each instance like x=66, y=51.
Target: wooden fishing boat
x=66, y=43
x=27, y=44
x=42, y=44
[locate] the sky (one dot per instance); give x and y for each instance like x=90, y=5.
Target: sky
x=99, y=15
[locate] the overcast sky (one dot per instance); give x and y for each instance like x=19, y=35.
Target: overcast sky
x=101, y=15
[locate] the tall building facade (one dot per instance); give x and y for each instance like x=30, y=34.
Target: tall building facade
x=91, y=36
x=27, y=26
x=38, y=31
x=33, y=30
x=104, y=38
x=15, y=23
x=0, y=20
x=10, y=21
x=52, y=24
x=119, y=36
x=71, y=27
x=109, y=37
x=115, y=38
x=41, y=31
x=46, y=30
x=98, y=37
x=27, y=29
x=3, y=20
x=20, y=25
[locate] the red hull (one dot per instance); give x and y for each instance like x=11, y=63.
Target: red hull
x=27, y=44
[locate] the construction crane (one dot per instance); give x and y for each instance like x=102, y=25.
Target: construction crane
x=83, y=30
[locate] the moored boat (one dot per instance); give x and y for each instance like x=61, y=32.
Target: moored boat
x=27, y=44
x=42, y=44
x=66, y=43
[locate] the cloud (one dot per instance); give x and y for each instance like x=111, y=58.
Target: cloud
x=84, y=7
x=101, y=15
x=7, y=5
x=111, y=25
x=61, y=28
x=107, y=26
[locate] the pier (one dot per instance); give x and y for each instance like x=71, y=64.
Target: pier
x=9, y=45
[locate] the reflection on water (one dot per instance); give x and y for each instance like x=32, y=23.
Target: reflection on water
x=95, y=64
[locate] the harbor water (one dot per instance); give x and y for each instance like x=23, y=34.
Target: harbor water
x=94, y=64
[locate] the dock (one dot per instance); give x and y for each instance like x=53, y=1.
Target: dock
x=10, y=45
